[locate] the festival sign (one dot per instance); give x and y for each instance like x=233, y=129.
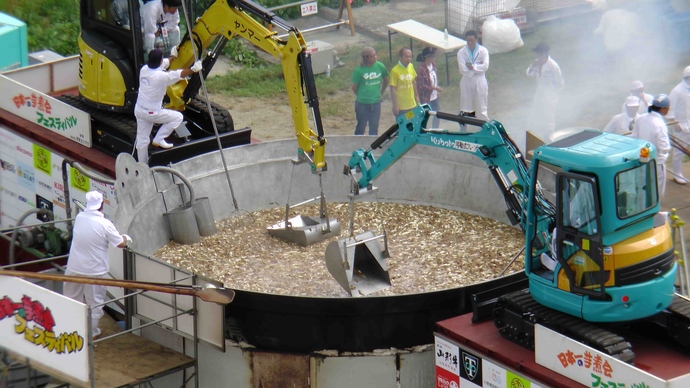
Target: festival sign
x=47, y=328
x=46, y=111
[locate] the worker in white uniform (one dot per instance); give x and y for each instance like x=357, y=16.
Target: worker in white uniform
x=651, y=127
x=645, y=99
x=680, y=111
x=623, y=123
x=473, y=62
x=161, y=18
x=549, y=81
x=153, y=82
x=88, y=255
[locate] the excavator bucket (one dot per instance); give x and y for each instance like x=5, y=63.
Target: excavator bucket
x=358, y=263
x=305, y=230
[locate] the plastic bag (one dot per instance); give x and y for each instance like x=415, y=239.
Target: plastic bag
x=500, y=35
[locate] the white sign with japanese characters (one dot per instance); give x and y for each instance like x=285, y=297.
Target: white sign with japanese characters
x=44, y=326
x=447, y=356
x=45, y=111
x=587, y=365
x=310, y=9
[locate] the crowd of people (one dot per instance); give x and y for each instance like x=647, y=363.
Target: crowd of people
x=411, y=86
x=658, y=120
x=642, y=115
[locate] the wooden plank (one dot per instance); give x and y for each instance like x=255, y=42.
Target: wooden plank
x=129, y=359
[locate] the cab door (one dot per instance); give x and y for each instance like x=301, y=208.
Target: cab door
x=578, y=242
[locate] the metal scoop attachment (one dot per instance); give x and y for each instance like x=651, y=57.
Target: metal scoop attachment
x=358, y=263
x=304, y=230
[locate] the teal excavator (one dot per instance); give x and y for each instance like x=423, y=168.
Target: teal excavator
x=597, y=250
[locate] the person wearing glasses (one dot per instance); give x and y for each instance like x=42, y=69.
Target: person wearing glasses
x=369, y=81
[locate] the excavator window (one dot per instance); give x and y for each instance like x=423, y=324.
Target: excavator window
x=578, y=206
x=120, y=12
x=635, y=190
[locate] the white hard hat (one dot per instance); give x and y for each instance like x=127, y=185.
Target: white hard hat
x=636, y=85
x=632, y=101
x=686, y=72
x=94, y=199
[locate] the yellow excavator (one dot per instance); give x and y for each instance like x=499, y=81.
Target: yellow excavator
x=111, y=50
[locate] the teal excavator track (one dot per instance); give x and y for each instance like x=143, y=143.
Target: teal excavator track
x=516, y=314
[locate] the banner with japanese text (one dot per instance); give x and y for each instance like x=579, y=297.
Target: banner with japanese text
x=45, y=111
x=31, y=177
x=587, y=365
x=44, y=326
x=460, y=367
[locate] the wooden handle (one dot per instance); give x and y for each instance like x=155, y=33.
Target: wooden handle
x=216, y=295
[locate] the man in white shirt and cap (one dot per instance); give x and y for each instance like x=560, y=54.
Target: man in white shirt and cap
x=550, y=81
x=153, y=82
x=680, y=111
x=645, y=99
x=160, y=17
x=623, y=123
x=88, y=255
x=473, y=62
x=652, y=128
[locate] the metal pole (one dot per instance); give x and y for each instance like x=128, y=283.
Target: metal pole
x=196, y=339
x=92, y=367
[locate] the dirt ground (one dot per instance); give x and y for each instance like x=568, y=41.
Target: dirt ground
x=270, y=118
x=596, y=80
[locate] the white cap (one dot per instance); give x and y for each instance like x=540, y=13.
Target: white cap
x=636, y=85
x=94, y=199
x=686, y=72
x=632, y=101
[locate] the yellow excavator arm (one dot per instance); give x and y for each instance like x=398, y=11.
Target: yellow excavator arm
x=230, y=18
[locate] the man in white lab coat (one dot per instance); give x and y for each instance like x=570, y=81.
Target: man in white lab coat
x=161, y=18
x=549, y=81
x=473, y=62
x=623, y=123
x=680, y=111
x=153, y=82
x=652, y=128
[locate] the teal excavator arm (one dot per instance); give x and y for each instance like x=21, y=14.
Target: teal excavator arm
x=491, y=144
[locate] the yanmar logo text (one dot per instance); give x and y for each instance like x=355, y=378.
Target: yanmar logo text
x=455, y=144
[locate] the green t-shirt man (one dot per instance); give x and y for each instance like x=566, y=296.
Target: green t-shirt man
x=368, y=80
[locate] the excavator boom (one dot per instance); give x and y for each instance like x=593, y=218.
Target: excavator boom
x=244, y=18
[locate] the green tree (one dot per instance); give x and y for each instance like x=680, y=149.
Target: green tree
x=51, y=24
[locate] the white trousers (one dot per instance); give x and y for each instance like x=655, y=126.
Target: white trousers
x=661, y=180
x=474, y=96
x=90, y=294
x=678, y=156
x=171, y=119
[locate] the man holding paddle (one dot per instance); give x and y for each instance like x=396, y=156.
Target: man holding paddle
x=88, y=255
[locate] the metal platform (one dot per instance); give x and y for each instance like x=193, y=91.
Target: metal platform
x=127, y=360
